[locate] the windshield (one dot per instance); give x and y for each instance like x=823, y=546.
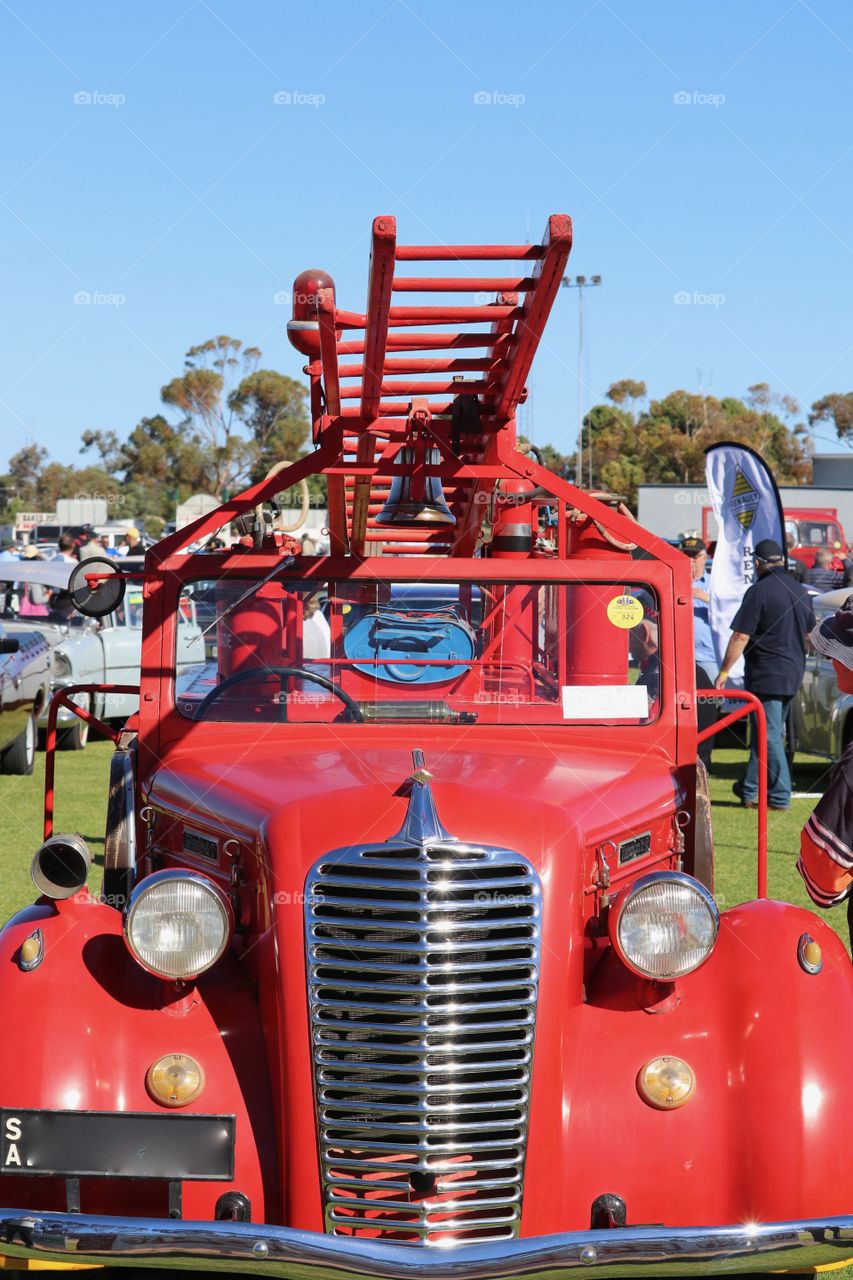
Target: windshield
x=488, y=652
x=819, y=533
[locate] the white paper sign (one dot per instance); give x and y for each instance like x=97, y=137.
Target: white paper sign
x=605, y=702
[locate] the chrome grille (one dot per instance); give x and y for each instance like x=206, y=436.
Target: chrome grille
x=423, y=969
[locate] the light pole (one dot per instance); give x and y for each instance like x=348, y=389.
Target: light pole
x=580, y=283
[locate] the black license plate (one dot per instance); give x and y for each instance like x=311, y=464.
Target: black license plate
x=101, y=1144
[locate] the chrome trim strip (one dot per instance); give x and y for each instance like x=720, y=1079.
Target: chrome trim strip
x=300, y=1255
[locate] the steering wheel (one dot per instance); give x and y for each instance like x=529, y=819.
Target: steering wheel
x=283, y=673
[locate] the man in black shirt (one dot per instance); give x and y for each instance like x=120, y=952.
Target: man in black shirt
x=770, y=629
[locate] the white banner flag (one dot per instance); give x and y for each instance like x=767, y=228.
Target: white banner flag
x=748, y=508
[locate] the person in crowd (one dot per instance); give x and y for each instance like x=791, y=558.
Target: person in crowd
x=796, y=568
x=643, y=642
x=67, y=549
x=316, y=634
x=703, y=639
x=826, y=841
x=33, y=597
x=822, y=576
x=90, y=543
x=105, y=547
x=61, y=608
x=8, y=551
x=130, y=544
x=770, y=630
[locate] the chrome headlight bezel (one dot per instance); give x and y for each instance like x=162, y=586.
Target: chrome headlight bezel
x=63, y=672
x=177, y=875
x=630, y=895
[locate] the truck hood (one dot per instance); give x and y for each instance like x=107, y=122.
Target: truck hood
x=520, y=794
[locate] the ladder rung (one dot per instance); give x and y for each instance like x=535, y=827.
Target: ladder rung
x=468, y=252
x=462, y=284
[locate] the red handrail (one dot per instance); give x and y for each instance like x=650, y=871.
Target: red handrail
x=751, y=705
x=62, y=698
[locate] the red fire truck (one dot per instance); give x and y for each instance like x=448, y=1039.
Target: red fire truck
x=814, y=527
x=406, y=959
x=808, y=529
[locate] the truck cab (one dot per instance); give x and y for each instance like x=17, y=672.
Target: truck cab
x=810, y=528
x=406, y=956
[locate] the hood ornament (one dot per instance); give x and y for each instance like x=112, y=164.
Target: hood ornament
x=422, y=825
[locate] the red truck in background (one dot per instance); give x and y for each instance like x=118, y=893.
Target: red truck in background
x=810, y=528
x=406, y=960
x=814, y=527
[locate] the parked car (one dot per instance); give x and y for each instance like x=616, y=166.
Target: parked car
x=25, y=680
x=821, y=717
x=85, y=650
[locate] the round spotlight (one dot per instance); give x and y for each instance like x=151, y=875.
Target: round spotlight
x=177, y=923
x=664, y=926
x=174, y=1080
x=666, y=1083
x=61, y=866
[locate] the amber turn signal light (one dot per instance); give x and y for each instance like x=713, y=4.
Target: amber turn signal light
x=174, y=1080
x=666, y=1083
x=809, y=954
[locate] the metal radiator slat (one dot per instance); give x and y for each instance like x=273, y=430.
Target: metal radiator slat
x=423, y=1039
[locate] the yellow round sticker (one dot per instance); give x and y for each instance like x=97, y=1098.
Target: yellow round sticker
x=625, y=611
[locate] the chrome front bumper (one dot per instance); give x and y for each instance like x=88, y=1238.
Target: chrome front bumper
x=301, y=1255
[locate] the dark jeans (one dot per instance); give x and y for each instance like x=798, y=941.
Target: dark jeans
x=778, y=773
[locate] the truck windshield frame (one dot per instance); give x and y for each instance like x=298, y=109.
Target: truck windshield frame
x=400, y=609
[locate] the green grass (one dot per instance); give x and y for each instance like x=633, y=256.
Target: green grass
x=735, y=836
x=81, y=806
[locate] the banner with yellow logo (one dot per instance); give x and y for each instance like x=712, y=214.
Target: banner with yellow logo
x=748, y=508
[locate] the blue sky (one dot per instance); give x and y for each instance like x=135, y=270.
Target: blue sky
x=705, y=151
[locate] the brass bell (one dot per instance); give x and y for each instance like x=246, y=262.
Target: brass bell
x=400, y=506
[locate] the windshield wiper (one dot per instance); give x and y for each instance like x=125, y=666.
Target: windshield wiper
x=285, y=564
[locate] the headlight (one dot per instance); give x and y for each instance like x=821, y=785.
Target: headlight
x=61, y=666
x=665, y=925
x=177, y=923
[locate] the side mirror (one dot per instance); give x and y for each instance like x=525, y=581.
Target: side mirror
x=96, y=600
x=9, y=644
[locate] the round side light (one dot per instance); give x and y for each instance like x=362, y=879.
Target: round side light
x=174, y=1080
x=664, y=926
x=666, y=1083
x=177, y=924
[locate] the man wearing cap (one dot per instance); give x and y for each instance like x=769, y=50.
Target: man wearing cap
x=703, y=639
x=770, y=630
x=130, y=544
x=826, y=842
